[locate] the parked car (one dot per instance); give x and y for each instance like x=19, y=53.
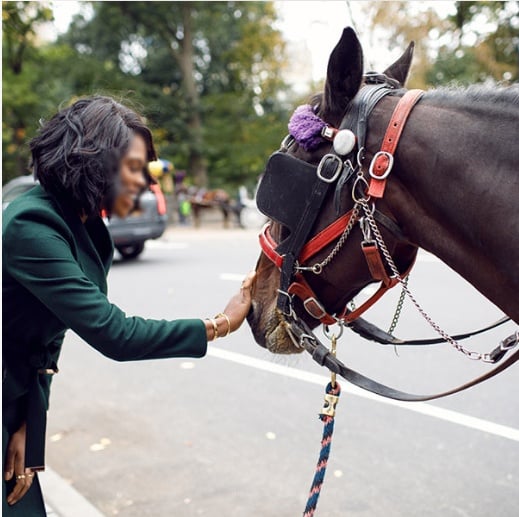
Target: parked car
x=146, y=221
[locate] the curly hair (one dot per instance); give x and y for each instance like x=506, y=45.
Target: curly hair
x=76, y=154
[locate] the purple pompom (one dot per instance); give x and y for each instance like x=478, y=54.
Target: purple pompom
x=305, y=126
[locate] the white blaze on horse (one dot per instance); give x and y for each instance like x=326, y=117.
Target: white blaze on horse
x=370, y=173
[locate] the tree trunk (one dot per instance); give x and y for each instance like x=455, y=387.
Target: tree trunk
x=197, y=166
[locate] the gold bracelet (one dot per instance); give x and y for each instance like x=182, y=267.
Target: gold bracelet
x=223, y=315
x=215, y=328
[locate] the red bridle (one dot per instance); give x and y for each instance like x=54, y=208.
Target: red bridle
x=379, y=170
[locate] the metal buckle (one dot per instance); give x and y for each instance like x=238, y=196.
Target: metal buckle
x=391, y=159
x=291, y=313
x=328, y=132
x=324, y=159
x=287, y=142
x=298, y=338
x=372, y=77
x=292, y=336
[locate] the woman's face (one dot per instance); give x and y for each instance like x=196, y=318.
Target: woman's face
x=131, y=177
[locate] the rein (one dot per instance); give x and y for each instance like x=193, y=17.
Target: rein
x=306, y=339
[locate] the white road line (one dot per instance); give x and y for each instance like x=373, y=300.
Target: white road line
x=479, y=424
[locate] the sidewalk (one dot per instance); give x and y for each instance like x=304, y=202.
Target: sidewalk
x=62, y=500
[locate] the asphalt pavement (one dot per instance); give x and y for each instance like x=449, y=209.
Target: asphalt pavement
x=237, y=433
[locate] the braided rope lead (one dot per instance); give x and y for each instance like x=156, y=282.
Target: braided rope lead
x=328, y=418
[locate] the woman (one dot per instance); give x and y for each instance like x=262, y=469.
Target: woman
x=89, y=157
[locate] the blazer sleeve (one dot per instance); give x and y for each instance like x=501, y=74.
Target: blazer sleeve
x=40, y=258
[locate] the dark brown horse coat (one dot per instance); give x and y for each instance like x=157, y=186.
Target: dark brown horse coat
x=453, y=191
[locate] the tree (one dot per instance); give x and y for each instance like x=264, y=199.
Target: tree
x=393, y=25
x=485, y=45
x=190, y=64
x=20, y=21
x=477, y=42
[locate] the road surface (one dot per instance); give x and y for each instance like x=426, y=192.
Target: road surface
x=236, y=434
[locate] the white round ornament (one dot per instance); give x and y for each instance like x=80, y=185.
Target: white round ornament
x=344, y=142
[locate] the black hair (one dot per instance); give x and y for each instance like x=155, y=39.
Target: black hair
x=76, y=154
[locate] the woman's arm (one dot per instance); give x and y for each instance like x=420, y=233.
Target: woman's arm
x=40, y=258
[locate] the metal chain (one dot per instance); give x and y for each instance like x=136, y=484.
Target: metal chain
x=398, y=309
x=318, y=267
x=477, y=356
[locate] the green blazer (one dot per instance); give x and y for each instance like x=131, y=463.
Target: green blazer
x=54, y=278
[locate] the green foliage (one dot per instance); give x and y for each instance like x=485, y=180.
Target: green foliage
x=139, y=52
x=486, y=36
x=21, y=88
x=19, y=23
x=203, y=83
x=207, y=75
x=478, y=42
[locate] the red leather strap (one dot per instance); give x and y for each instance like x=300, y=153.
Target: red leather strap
x=305, y=293
x=324, y=237
x=313, y=246
x=383, y=160
x=268, y=246
x=313, y=306
x=375, y=263
x=381, y=291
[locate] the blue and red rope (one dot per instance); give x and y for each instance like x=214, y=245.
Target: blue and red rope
x=326, y=443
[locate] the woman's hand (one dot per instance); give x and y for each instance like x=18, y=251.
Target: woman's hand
x=239, y=305
x=234, y=313
x=15, y=466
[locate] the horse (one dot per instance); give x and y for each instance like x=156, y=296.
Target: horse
x=203, y=199
x=451, y=187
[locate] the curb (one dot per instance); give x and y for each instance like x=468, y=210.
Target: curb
x=62, y=500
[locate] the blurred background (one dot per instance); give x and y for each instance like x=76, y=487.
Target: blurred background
x=217, y=81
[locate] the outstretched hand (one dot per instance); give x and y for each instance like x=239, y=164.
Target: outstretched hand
x=239, y=305
x=234, y=313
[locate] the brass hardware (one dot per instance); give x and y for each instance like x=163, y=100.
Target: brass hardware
x=334, y=353
x=330, y=403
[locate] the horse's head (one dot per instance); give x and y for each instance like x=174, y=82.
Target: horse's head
x=286, y=194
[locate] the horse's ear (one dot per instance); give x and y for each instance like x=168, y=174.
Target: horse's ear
x=400, y=68
x=344, y=75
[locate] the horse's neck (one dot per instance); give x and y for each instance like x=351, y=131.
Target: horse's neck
x=455, y=192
